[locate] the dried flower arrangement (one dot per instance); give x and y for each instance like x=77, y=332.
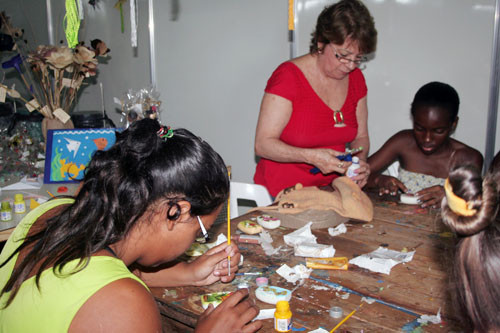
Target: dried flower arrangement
x=53, y=74
x=60, y=72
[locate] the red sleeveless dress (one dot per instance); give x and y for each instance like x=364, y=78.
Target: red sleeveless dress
x=311, y=125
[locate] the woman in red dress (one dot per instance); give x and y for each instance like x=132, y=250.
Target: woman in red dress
x=316, y=104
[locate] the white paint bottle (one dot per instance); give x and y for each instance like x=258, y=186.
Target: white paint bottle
x=355, y=165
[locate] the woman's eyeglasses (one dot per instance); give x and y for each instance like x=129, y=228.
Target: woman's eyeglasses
x=202, y=227
x=345, y=56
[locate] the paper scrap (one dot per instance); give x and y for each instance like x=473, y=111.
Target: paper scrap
x=313, y=250
x=265, y=314
x=292, y=275
x=382, y=260
x=26, y=184
x=343, y=296
x=32, y=105
x=220, y=239
x=3, y=94
x=319, y=330
x=424, y=319
x=265, y=241
x=340, y=229
x=302, y=235
x=368, y=300
x=61, y=115
x=305, y=245
x=316, y=287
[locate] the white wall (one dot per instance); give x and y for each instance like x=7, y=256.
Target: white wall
x=213, y=62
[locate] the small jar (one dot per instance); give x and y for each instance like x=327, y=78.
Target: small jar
x=283, y=317
x=5, y=212
x=262, y=281
x=336, y=312
x=19, y=204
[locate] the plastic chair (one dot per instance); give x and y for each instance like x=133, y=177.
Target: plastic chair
x=253, y=192
x=392, y=170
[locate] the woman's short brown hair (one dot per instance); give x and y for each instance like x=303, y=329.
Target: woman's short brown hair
x=346, y=19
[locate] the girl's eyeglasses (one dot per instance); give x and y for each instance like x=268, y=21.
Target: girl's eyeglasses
x=202, y=227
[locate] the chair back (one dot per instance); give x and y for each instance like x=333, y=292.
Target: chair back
x=253, y=192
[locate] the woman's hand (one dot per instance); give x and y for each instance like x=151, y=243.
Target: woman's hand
x=232, y=315
x=431, y=196
x=212, y=265
x=362, y=173
x=327, y=162
x=389, y=185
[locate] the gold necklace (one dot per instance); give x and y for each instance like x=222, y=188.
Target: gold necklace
x=340, y=122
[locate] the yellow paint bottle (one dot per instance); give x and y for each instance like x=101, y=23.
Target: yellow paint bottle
x=6, y=212
x=19, y=204
x=283, y=317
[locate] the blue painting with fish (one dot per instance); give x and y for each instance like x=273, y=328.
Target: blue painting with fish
x=68, y=152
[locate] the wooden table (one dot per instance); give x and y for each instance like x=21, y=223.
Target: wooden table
x=418, y=287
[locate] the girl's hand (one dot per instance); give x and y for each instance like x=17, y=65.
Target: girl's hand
x=389, y=185
x=232, y=315
x=431, y=196
x=327, y=162
x=212, y=265
x=363, y=172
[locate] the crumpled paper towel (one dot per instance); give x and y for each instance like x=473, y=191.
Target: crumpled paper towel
x=266, y=242
x=319, y=330
x=382, y=260
x=313, y=250
x=302, y=235
x=292, y=275
x=424, y=319
x=305, y=245
x=340, y=229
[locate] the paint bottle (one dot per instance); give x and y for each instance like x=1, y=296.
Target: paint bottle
x=283, y=317
x=19, y=204
x=5, y=212
x=355, y=165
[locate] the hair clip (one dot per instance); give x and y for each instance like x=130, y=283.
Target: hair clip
x=457, y=205
x=165, y=132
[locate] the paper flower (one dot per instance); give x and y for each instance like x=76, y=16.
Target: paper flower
x=57, y=72
x=60, y=57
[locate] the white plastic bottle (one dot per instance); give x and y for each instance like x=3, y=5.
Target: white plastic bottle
x=355, y=165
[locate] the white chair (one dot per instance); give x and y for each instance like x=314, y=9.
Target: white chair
x=392, y=170
x=245, y=191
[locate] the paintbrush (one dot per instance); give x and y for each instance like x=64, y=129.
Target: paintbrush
x=347, y=317
x=229, y=227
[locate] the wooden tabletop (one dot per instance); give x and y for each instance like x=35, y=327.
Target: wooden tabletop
x=419, y=287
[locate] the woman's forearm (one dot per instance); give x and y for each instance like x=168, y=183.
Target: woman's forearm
x=361, y=142
x=278, y=151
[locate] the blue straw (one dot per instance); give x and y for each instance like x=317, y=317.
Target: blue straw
x=350, y=291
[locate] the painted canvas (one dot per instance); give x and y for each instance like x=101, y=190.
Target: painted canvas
x=68, y=152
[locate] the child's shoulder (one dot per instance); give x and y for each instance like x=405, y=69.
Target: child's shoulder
x=401, y=137
x=464, y=154
x=462, y=147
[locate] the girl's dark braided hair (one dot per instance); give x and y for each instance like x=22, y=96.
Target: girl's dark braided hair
x=119, y=186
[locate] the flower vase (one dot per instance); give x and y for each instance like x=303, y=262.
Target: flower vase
x=54, y=123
